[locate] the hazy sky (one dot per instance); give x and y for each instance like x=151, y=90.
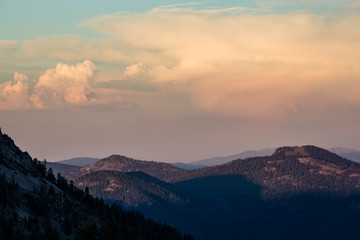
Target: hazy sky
x=178, y=80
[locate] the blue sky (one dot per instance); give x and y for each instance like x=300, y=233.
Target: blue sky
x=24, y=20
x=178, y=80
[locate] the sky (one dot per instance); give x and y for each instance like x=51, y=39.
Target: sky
x=178, y=80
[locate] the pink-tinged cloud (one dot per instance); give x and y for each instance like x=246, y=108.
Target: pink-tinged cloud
x=15, y=94
x=56, y=87
x=8, y=45
x=66, y=83
x=223, y=61
x=253, y=65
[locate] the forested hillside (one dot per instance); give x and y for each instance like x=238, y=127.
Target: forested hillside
x=37, y=205
x=130, y=188
x=296, y=193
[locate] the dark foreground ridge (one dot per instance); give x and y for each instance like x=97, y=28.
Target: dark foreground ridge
x=37, y=205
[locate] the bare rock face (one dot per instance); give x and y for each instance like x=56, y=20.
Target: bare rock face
x=12, y=156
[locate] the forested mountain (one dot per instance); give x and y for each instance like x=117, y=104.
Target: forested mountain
x=37, y=205
x=295, y=193
x=187, y=166
x=130, y=188
x=287, y=172
x=290, y=171
x=120, y=163
x=162, y=171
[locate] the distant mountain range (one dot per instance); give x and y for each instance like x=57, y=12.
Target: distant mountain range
x=351, y=154
x=347, y=153
x=293, y=193
x=221, y=160
x=83, y=161
x=213, y=161
x=79, y=161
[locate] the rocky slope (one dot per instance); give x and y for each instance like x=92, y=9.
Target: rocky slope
x=36, y=205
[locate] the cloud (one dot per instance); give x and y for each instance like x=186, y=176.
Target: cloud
x=14, y=94
x=57, y=87
x=20, y=77
x=66, y=83
x=199, y=38
x=228, y=61
x=245, y=64
x=74, y=48
x=8, y=45
x=9, y=54
x=135, y=69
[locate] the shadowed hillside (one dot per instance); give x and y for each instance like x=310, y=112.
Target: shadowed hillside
x=37, y=205
x=290, y=171
x=295, y=193
x=130, y=188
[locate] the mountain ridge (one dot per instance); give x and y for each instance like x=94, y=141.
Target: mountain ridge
x=79, y=161
x=212, y=161
x=36, y=205
x=305, y=189
x=159, y=170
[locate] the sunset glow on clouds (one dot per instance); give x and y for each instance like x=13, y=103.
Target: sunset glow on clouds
x=57, y=87
x=247, y=64
x=225, y=62
x=232, y=62
x=63, y=84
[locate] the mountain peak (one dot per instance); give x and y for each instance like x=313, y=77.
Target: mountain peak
x=302, y=151
x=291, y=151
x=125, y=164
